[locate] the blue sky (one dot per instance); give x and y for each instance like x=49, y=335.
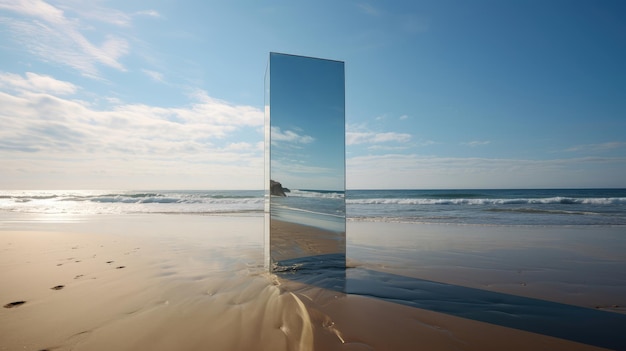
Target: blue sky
x=440, y=94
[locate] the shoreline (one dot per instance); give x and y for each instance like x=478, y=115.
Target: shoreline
x=22, y=217
x=372, y=220
x=199, y=280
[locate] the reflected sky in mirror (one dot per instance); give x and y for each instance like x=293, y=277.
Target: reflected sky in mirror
x=307, y=122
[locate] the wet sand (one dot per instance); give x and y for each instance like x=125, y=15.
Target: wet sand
x=578, y=265
x=198, y=282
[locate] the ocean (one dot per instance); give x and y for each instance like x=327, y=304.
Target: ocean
x=497, y=207
x=603, y=207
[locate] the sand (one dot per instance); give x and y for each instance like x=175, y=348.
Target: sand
x=578, y=265
x=164, y=282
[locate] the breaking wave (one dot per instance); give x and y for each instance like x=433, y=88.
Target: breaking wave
x=90, y=202
x=488, y=201
x=327, y=194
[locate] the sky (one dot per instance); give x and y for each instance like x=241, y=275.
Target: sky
x=168, y=94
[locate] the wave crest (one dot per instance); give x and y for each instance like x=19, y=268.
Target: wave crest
x=486, y=201
x=316, y=194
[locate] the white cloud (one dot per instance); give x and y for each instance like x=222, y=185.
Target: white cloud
x=48, y=137
x=48, y=33
x=404, y=117
x=354, y=138
x=289, y=136
x=35, y=83
x=212, y=110
x=240, y=146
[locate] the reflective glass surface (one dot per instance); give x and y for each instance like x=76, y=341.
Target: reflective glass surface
x=305, y=163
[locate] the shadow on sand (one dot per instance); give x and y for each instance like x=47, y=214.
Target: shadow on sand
x=584, y=325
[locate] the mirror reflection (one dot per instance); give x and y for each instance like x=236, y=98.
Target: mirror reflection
x=305, y=105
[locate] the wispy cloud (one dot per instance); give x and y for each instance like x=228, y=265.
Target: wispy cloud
x=385, y=117
x=354, y=138
x=155, y=76
x=294, y=166
x=91, y=11
x=427, y=142
x=368, y=9
x=387, y=147
x=47, y=32
x=420, y=171
x=381, y=118
x=597, y=147
x=475, y=143
x=150, y=13
x=289, y=136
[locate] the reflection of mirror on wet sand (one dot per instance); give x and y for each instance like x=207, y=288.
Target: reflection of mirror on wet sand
x=305, y=120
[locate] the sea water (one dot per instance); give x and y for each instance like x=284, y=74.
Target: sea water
x=497, y=207
x=323, y=209
x=485, y=207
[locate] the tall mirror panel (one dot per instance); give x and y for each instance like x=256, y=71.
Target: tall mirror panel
x=305, y=163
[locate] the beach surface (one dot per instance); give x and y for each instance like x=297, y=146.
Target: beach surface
x=186, y=282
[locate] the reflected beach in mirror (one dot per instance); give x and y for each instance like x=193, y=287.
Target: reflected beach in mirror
x=305, y=167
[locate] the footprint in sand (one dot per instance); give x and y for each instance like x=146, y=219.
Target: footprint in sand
x=58, y=287
x=120, y=267
x=110, y=262
x=79, y=276
x=14, y=304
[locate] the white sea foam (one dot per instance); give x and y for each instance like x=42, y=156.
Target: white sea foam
x=486, y=201
x=316, y=194
x=107, y=202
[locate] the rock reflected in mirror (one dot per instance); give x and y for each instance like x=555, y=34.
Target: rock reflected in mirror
x=305, y=112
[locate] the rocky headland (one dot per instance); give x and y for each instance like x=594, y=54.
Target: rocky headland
x=276, y=189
